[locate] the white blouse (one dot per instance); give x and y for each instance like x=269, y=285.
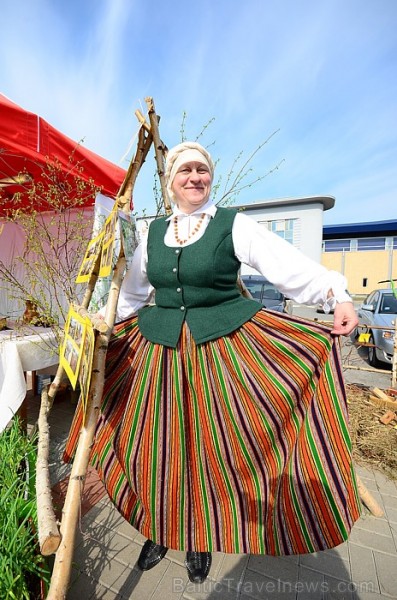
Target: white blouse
x=293, y=273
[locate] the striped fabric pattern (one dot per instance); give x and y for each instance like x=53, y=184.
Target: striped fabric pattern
x=237, y=445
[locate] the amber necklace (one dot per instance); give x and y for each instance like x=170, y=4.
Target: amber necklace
x=191, y=234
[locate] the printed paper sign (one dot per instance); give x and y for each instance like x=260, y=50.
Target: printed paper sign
x=94, y=249
x=109, y=234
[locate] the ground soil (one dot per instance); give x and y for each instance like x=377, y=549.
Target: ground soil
x=374, y=443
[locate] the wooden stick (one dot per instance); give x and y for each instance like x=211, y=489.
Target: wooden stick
x=368, y=500
x=372, y=369
x=125, y=189
x=142, y=120
x=380, y=402
x=367, y=327
x=48, y=532
x=144, y=143
x=160, y=150
x=380, y=393
x=63, y=561
x=84, y=305
x=70, y=514
x=97, y=323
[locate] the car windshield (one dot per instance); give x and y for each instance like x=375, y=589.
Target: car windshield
x=261, y=289
x=254, y=287
x=271, y=293
x=388, y=304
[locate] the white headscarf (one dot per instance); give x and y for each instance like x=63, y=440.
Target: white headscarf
x=181, y=154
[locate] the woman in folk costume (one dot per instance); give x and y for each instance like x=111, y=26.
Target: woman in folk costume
x=223, y=425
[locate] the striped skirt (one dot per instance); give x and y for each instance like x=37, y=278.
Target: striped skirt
x=237, y=445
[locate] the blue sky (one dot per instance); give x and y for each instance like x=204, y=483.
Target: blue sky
x=320, y=73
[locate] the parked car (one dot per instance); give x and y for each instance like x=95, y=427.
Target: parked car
x=265, y=292
x=379, y=309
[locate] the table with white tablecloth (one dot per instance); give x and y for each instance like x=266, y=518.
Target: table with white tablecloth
x=22, y=349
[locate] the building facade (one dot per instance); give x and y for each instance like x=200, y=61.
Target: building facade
x=366, y=253
x=297, y=220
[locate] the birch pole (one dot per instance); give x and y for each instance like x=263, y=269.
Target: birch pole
x=70, y=513
x=160, y=150
x=63, y=560
x=48, y=532
x=368, y=500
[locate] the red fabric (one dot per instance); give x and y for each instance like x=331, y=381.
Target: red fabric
x=28, y=144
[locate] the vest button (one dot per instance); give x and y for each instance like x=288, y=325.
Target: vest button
x=177, y=251
x=178, y=289
x=174, y=270
x=182, y=308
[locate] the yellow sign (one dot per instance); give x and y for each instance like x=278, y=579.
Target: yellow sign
x=363, y=338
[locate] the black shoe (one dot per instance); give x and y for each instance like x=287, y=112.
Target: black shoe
x=198, y=566
x=150, y=555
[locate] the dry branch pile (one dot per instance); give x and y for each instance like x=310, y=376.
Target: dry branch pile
x=374, y=443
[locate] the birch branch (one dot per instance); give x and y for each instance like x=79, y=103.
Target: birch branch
x=48, y=532
x=368, y=500
x=160, y=152
x=64, y=556
x=70, y=514
x=98, y=323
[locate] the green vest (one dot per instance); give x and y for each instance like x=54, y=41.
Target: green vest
x=196, y=283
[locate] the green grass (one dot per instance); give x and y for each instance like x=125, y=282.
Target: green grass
x=21, y=565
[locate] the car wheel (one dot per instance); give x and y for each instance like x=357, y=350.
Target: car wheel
x=372, y=358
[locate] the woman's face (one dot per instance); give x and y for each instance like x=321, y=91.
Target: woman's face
x=191, y=186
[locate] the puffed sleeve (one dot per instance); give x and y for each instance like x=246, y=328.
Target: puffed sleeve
x=292, y=272
x=136, y=291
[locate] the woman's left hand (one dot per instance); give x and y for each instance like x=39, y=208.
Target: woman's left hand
x=345, y=319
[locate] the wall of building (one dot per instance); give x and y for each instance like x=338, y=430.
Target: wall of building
x=304, y=217
x=363, y=270
x=308, y=224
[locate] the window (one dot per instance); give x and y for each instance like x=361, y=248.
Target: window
x=359, y=244
x=372, y=298
x=337, y=246
x=388, y=304
x=377, y=243
x=285, y=228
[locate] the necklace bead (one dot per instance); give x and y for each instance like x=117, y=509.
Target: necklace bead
x=191, y=234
